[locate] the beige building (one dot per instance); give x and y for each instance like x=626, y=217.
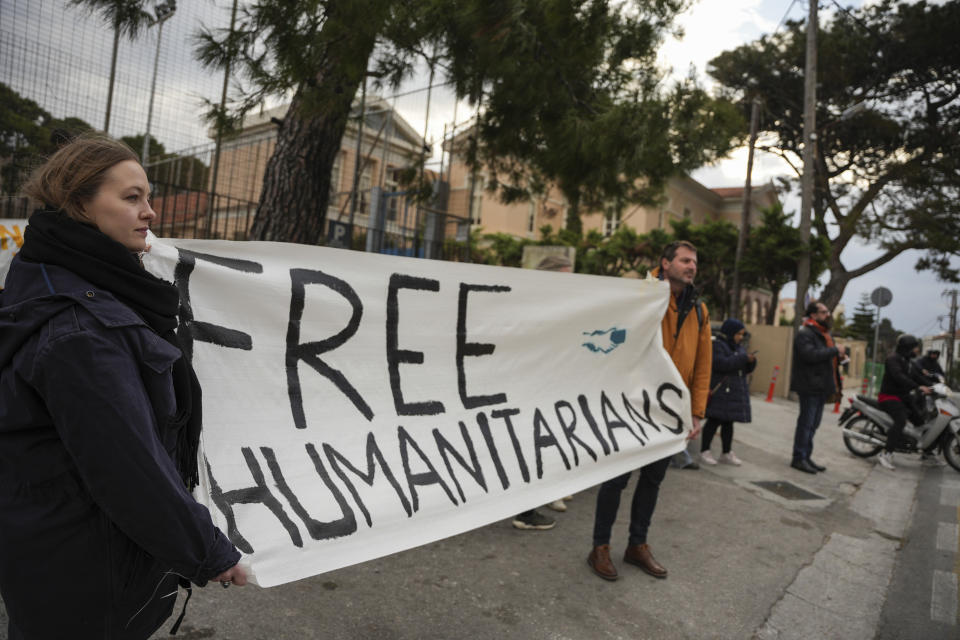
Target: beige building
x=686, y=199
x=683, y=198
x=389, y=145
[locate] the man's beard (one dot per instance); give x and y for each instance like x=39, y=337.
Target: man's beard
x=825, y=323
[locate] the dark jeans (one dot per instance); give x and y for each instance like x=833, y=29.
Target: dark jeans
x=811, y=411
x=898, y=412
x=641, y=509
x=726, y=434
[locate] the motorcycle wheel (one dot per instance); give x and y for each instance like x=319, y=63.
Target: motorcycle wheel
x=951, y=449
x=867, y=427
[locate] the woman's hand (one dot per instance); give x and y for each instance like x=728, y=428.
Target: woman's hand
x=234, y=574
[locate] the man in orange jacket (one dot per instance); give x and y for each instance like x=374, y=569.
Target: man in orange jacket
x=686, y=337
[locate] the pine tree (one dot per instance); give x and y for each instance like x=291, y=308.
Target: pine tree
x=569, y=89
x=888, y=127
x=864, y=320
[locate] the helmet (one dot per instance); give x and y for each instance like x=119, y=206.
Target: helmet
x=906, y=343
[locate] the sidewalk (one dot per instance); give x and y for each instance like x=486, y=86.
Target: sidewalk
x=745, y=560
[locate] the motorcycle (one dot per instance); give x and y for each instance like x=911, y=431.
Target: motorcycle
x=865, y=426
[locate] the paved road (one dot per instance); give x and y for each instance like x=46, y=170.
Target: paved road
x=922, y=601
x=758, y=551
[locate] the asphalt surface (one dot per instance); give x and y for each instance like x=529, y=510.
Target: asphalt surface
x=759, y=551
x=922, y=600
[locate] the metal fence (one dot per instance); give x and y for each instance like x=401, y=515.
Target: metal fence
x=388, y=223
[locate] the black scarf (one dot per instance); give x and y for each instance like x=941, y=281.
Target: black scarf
x=54, y=238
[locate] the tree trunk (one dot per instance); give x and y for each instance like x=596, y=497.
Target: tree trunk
x=574, y=223
x=296, y=181
x=772, y=309
x=833, y=292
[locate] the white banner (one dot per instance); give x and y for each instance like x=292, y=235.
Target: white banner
x=356, y=405
x=11, y=238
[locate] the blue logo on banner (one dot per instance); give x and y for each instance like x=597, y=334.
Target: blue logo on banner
x=606, y=340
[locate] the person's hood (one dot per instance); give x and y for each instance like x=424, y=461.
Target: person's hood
x=731, y=327
x=27, y=303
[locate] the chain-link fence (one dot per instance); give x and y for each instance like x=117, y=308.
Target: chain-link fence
x=55, y=67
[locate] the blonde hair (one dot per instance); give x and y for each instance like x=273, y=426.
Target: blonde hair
x=72, y=176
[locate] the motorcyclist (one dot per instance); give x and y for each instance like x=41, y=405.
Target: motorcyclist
x=899, y=380
x=929, y=366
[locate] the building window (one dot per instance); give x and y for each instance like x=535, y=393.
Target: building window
x=335, y=172
x=392, y=185
x=611, y=221
x=532, y=217
x=363, y=190
x=687, y=213
x=476, y=204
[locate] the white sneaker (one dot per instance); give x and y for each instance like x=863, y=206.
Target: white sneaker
x=885, y=460
x=558, y=505
x=730, y=458
x=707, y=458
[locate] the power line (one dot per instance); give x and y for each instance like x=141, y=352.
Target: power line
x=784, y=18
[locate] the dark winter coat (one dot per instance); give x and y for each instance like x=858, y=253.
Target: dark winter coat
x=899, y=378
x=730, y=392
x=930, y=365
x=814, y=364
x=95, y=521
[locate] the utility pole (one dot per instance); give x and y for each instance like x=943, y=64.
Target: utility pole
x=745, y=214
x=113, y=73
x=952, y=337
x=163, y=11
x=354, y=194
x=215, y=165
x=809, y=143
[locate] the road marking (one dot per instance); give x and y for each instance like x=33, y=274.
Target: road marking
x=943, y=600
x=948, y=536
x=949, y=496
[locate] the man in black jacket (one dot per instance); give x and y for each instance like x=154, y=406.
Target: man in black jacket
x=815, y=378
x=929, y=365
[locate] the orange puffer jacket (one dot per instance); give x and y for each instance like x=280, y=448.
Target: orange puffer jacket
x=690, y=347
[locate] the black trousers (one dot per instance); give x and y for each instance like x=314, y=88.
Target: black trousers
x=641, y=508
x=710, y=429
x=897, y=411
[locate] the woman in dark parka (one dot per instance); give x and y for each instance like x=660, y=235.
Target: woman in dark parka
x=99, y=416
x=729, y=391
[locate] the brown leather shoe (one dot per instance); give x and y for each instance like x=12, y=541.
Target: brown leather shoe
x=599, y=561
x=639, y=555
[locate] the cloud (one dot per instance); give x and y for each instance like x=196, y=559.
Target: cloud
x=711, y=28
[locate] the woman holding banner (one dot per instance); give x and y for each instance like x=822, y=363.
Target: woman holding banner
x=99, y=415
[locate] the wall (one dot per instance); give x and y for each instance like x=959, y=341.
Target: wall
x=853, y=376
x=775, y=348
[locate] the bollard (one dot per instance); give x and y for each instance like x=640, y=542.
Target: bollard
x=773, y=383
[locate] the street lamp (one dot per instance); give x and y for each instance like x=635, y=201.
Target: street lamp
x=163, y=10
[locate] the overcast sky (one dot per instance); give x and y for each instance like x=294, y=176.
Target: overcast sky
x=713, y=26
